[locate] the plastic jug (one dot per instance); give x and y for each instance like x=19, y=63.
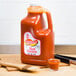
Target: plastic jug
x=37, y=41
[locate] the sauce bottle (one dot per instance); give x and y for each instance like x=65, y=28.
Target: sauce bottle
x=37, y=41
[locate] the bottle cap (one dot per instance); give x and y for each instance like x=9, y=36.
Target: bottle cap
x=36, y=9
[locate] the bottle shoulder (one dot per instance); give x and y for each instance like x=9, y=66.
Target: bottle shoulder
x=30, y=19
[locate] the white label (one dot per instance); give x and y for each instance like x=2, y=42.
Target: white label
x=31, y=45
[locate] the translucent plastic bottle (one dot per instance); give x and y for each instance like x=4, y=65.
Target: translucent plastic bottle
x=37, y=41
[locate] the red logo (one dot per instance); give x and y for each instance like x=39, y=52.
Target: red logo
x=31, y=42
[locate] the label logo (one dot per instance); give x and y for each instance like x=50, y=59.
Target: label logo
x=31, y=42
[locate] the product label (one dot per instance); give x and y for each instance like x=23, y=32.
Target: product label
x=31, y=45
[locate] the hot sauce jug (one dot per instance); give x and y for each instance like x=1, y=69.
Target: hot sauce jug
x=37, y=41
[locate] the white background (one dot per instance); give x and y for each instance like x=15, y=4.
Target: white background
x=63, y=17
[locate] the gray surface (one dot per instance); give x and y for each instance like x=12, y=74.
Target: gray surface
x=60, y=49
x=9, y=49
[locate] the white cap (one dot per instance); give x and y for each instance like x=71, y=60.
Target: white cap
x=33, y=4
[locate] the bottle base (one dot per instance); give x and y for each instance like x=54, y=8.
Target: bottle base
x=35, y=62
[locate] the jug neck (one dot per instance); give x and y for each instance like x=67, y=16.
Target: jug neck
x=34, y=14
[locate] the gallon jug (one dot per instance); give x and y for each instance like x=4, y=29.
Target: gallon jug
x=37, y=41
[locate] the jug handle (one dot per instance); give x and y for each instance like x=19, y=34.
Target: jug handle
x=49, y=20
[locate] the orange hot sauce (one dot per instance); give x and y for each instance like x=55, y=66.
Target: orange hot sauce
x=37, y=40
x=54, y=64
